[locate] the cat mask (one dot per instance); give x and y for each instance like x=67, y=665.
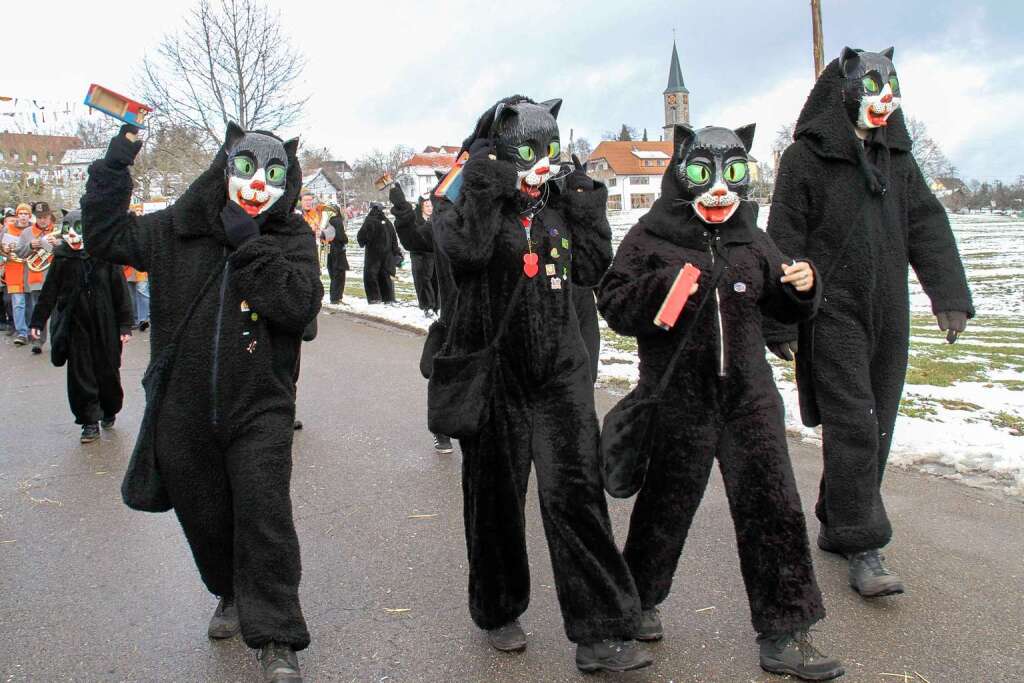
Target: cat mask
x=871, y=90
x=713, y=169
x=72, y=229
x=526, y=135
x=257, y=168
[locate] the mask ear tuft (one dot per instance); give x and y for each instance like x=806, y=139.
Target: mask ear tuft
x=682, y=136
x=888, y=52
x=553, y=106
x=848, y=59
x=233, y=135
x=291, y=147
x=746, y=135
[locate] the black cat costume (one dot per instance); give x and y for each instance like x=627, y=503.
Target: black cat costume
x=508, y=224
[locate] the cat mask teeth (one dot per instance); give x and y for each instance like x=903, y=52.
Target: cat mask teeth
x=875, y=111
x=529, y=182
x=717, y=205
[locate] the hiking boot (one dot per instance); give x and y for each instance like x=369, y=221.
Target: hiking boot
x=108, y=421
x=794, y=654
x=612, y=655
x=37, y=349
x=20, y=340
x=650, y=626
x=442, y=444
x=143, y=326
x=870, y=577
x=90, y=433
x=508, y=638
x=827, y=544
x=224, y=622
x=280, y=664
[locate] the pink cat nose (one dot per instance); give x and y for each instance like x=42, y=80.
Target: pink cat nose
x=887, y=98
x=258, y=185
x=718, y=192
x=543, y=170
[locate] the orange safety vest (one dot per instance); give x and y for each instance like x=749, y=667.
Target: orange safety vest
x=132, y=275
x=17, y=276
x=313, y=217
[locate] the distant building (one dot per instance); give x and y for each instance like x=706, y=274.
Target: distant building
x=677, y=97
x=328, y=183
x=74, y=170
x=631, y=170
x=418, y=174
x=36, y=160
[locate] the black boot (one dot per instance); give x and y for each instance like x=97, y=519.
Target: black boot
x=90, y=433
x=224, y=622
x=108, y=421
x=650, y=626
x=793, y=654
x=870, y=577
x=611, y=655
x=442, y=444
x=280, y=664
x=508, y=638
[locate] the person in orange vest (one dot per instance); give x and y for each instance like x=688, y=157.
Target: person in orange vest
x=20, y=240
x=6, y=316
x=138, y=284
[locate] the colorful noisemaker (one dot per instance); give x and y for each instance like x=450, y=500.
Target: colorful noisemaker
x=118, y=106
x=450, y=187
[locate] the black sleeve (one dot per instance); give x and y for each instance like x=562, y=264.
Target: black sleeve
x=633, y=290
x=280, y=278
x=587, y=214
x=52, y=288
x=413, y=232
x=468, y=233
x=109, y=231
x=933, y=252
x=788, y=228
x=781, y=301
x=122, y=299
x=338, y=223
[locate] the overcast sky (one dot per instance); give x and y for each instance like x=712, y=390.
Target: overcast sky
x=418, y=73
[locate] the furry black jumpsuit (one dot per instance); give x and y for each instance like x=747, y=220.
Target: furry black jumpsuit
x=722, y=403
x=543, y=408
x=380, y=243
x=863, y=212
x=224, y=430
x=100, y=313
x=337, y=260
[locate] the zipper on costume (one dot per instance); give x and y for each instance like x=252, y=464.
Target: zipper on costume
x=216, y=341
x=718, y=318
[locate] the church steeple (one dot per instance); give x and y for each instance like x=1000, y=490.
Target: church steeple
x=677, y=97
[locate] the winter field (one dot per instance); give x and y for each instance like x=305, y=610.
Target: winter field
x=962, y=415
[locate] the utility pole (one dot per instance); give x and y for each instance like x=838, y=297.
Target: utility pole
x=818, y=41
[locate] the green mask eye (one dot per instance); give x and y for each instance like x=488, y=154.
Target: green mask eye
x=526, y=153
x=698, y=173
x=244, y=166
x=554, y=149
x=894, y=83
x=276, y=174
x=736, y=171
x=870, y=85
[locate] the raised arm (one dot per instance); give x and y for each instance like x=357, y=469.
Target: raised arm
x=110, y=232
x=413, y=232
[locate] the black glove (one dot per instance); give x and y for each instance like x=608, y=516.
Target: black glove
x=121, y=151
x=784, y=350
x=482, y=148
x=578, y=180
x=397, y=197
x=953, y=323
x=239, y=226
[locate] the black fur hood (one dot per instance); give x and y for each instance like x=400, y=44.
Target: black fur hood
x=198, y=211
x=825, y=126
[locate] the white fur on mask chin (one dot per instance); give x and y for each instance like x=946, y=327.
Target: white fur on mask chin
x=876, y=106
x=531, y=178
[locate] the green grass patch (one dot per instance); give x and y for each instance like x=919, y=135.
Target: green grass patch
x=619, y=342
x=1007, y=420
x=956, y=404
x=617, y=383
x=939, y=372
x=912, y=407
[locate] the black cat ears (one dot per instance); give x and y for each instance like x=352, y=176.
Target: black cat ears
x=683, y=136
x=235, y=133
x=851, y=56
x=504, y=111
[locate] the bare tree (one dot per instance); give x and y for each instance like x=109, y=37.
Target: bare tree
x=230, y=62
x=930, y=157
x=314, y=157
x=369, y=168
x=96, y=131
x=173, y=156
x=581, y=147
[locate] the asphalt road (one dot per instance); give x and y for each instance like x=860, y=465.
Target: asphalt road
x=91, y=591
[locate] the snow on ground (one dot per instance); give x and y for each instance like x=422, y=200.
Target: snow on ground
x=963, y=410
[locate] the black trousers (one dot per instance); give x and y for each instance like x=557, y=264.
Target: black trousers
x=771, y=534
x=555, y=429
x=231, y=494
x=378, y=285
x=337, y=286
x=424, y=280
x=94, y=376
x=857, y=386
x=586, y=312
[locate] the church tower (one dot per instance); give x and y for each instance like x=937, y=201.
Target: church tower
x=677, y=97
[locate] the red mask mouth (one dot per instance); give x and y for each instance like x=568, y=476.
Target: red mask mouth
x=251, y=208
x=531, y=191
x=715, y=214
x=878, y=119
